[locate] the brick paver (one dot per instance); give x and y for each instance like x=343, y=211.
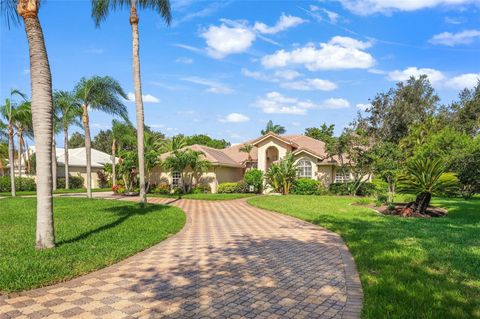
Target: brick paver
x=230, y=261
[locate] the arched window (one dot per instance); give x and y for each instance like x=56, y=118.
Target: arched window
x=304, y=169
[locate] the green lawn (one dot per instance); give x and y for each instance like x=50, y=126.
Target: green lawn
x=206, y=196
x=58, y=191
x=409, y=268
x=90, y=234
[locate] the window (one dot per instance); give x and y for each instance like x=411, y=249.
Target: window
x=341, y=177
x=176, y=178
x=304, y=169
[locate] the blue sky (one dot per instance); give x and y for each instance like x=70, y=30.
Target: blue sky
x=226, y=68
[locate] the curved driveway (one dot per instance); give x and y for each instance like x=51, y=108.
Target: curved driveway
x=231, y=260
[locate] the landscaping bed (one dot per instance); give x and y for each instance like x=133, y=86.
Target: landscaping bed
x=90, y=234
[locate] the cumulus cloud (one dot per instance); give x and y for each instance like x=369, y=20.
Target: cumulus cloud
x=287, y=74
x=367, y=7
x=212, y=86
x=257, y=75
x=147, y=98
x=452, y=39
x=435, y=76
x=224, y=40
x=460, y=82
x=338, y=53
x=277, y=103
x=284, y=22
x=234, y=118
x=310, y=85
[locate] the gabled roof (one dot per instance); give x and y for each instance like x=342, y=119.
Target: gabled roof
x=77, y=157
x=213, y=155
x=275, y=136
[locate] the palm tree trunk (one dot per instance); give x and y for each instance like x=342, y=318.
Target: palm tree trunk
x=54, y=163
x=20, y=151
x=114, y=173
x=42, y=117
x=138, y=99
x=67, y=168
x=88, y=150
x=11, y=159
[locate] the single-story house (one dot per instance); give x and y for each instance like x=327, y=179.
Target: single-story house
x=229, y=164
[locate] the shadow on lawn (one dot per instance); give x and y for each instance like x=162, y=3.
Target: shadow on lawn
x=123, y=212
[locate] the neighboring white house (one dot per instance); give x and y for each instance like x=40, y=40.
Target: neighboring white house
x=229, y=164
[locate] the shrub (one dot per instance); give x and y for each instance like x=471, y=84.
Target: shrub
x=254, y=177
x=226, y=188
x=382, y=198
x=242, y=187
x=366, y=189
x=102, y=179
x=74, y=182
x=118, y=189
x=162, y=188
x=21, y=184
x=202, y=189
x=363, y=201
x=305, y=186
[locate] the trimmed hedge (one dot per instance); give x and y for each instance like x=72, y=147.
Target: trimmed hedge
x=21, y=184
x=308, y=186
x=230, y=188
x=75, y=182
x=366, y=189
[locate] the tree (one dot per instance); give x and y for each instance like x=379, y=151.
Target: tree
x=103, y=141
x=127, y=169
x=247, y=148
x=323, y=133
x=3, y=157
x=152, y=155
x=426, y=177
x=122, y=137
x=392, y=114
x=281, y=175
x=102, y=94
x=42, y=112
x=467, y=166
x=387, y=162
x=274, y=128
x=76, y=140
x=465, y=114
x=68, y=111
x=254, y=177
x=99, y=12
x=23, y=125
x=173, y=144
x=190, y=165
x=202, y=139
x=9, y=112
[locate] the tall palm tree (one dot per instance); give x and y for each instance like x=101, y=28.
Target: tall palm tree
x=100, y=10
x=23, y=125
x=8, y=112
x=274, y=128
x=42, y=111
x=172, y=144
x=103, y=94
x=122, y=133
x=68, y=111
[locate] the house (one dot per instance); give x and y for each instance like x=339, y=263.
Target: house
x=229, y=164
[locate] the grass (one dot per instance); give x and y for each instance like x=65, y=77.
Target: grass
x=205, y=196
x=409, y=268
x=58, y=191
x=90, y=234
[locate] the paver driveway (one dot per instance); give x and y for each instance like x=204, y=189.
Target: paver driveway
x=230, y=261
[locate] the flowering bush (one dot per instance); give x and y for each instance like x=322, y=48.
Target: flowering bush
x=118, y=189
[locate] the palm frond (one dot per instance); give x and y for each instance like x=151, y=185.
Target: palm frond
x=8, y=9
x=100, y=8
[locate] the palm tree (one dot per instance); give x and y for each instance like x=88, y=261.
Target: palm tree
x=8, y=112
x=42, y=111
x=3, y=157
x=247, y=148
x=99, y=12
x=68, y=111
x=98, y=93
x=274, y=128
x=426, y=177
x=122, y=133
x=172, y=144
x=23, y=125
x=281, y=175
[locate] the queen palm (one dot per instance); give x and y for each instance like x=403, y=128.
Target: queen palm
x=274, y=128
x=102, y=94
x=68, y=111
x=42, y=111
x=100, y=10
x=172, y=144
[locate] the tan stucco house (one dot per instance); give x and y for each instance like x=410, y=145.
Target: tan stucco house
x=229, y=164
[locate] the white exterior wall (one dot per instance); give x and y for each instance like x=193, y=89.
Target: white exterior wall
x=282, y=148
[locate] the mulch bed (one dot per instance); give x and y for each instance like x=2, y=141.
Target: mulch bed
x=403, y=209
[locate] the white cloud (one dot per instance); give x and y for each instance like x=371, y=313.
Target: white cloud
x=224, y=40
x=454, y=20
x=276, y=103
x=188, y=47
x=212, y=86
x=284, y=22
x=452, y=39
x=335, y=103
x=367, y=7
x=310, y=85
x=147, y=98
x=363, y=106
x=184, y=60
x=257, y=75
x=338, y=53
x=435, y=76
x=275, y=77
x=287, y=74
x=234, y=118
x=460, y=82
